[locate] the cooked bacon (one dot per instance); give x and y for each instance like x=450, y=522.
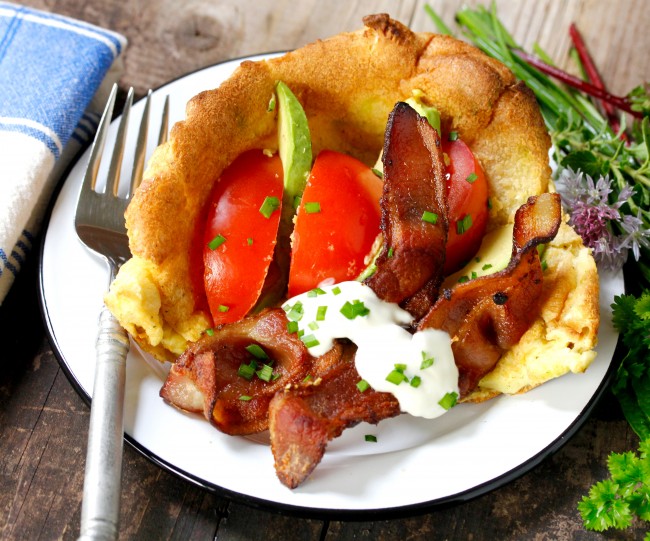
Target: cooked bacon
x=488, y=315
x=304, y=418
x=414, y=183
x=205, y=378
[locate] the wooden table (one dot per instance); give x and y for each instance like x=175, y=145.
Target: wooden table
x=43, y=422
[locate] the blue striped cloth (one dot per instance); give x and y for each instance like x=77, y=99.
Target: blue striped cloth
x=51, y=68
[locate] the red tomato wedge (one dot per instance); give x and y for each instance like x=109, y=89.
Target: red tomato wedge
x=240, y=234
x=468, y=205
x=336, y=224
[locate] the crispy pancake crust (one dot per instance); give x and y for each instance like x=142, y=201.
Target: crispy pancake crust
x=347, y=85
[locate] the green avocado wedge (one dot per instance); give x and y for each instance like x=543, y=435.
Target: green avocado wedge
x=427, y=111
x=493, y=256
x=294, y=141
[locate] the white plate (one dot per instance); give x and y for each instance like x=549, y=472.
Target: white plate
x=415, y=463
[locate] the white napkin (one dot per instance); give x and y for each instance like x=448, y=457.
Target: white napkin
x=55, y=74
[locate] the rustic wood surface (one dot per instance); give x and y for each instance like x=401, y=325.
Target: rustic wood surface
x=43, y=422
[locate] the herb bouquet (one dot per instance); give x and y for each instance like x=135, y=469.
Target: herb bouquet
x=602, y=152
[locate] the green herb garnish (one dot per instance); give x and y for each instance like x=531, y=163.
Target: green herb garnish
x=216, y=242
x=269, y=206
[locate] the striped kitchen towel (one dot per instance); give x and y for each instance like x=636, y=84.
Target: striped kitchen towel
x=55, y=73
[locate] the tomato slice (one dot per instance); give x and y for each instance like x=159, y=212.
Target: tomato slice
x=467, y=196
x=239, y=239
x=336, y=224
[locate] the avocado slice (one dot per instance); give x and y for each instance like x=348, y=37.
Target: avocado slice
x=427, y=111
x=493, y=256
x=294, y=142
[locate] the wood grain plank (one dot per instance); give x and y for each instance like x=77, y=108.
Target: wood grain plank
x=607, y=28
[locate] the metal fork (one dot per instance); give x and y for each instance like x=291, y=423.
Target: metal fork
x=99, y=222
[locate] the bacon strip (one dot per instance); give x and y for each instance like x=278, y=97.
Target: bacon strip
x=205, y=378
x=414, y=183
x=304, y=418
x=488, y=315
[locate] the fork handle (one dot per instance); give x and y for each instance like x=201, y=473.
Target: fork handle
x=102, y=483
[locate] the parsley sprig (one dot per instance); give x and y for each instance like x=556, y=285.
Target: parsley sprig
x=631, y=317
x=615, y=502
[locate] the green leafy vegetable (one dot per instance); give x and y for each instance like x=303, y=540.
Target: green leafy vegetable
x=631, y=317
x=615, y=502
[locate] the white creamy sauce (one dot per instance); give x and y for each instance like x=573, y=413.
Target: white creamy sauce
x=422, y=364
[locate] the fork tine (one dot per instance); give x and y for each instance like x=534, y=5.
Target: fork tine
x=141, y=147
x=113, y=178
x=90, y=178
x=164, y=124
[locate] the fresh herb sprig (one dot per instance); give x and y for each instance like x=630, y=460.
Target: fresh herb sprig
x=631, y=317
x=584, y=143
x=616, y=501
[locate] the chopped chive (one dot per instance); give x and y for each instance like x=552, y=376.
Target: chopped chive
x=371, y=438
x=306, y=378
x=464, y=224
x=310, y=340
x=449, y=400
x=256, y=351
x=249, y=241
x=336, y=290
x=390, y=252
x=429, y=217
x=296, y=201
x=245, y=398
x=265, y=373
x=247, y=371
x=544, y=265
x=313, y=326
x=363, y=385
x=396, y=377
x=463, y=279
x=223, y=308
x=292, y=326
x=269, y=206
x=312, y=207
x=320, y=313
x=378, y=172
x=416, y=381
x=486, y=266
x=271, y=106
x=426, y=361
x=216, y=242
x=209, y=332
x=296, y=312
x=315, y=292
x=400, y=367
x=471, y=178
x=354, y=309
x=474, y=275
x=477, y=259
x=301, y=333
x=453, y=135
x=489, y=203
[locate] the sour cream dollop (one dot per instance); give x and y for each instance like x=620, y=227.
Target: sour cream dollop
x=418, y=369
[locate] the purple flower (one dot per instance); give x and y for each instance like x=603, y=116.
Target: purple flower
x=593, y=216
